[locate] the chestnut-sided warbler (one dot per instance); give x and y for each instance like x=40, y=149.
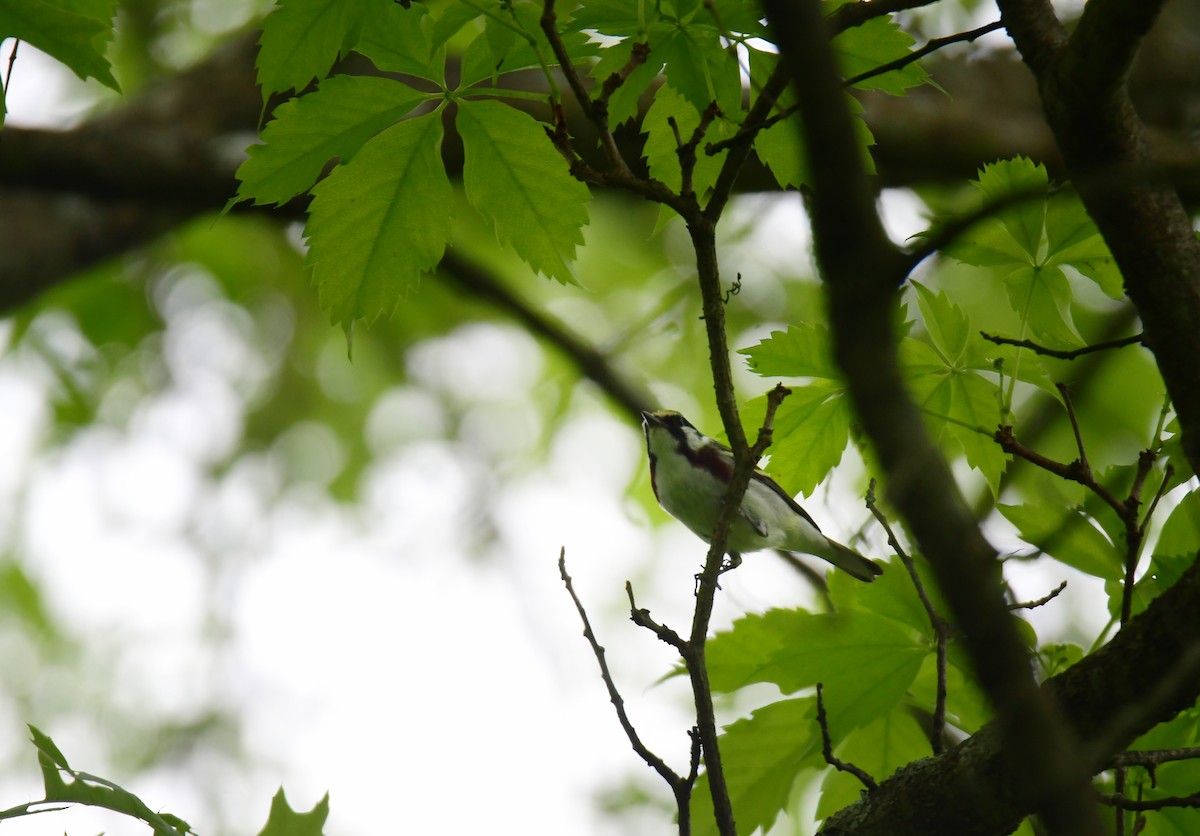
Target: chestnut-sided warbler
x=690, y=473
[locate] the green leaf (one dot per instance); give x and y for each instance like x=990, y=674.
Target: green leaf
x=697, y=65
x=47, y=748
x=1066, y=535
x=1025, y=219
x=877, y=42
x=660, y=147
x=380, y=221
x=501, y=48
x=453, y=19
x=879, y=748
x=961, y=404
x=735, y=656
x=1056, y=657
x=762, y=755
x=75, y=32
x=812, y=431
x=1072, y=239
x=301, y=39
x=84, y=788
x=891, y=595
x=1041, y=296
x=613, y=17
x=780, y=147
x=519, y=183
x=624, y=103
x=865, y=662
x=947, y=324
x=307, y=132
x=403, y=43
x=284, y=821
x=800, y=351
x=1180, y=535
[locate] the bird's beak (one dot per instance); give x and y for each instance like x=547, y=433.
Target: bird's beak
x=650, y=418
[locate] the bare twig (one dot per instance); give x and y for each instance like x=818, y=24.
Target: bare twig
x=941, y=628
x=12, y=59
x=656, y=763
x=598, y=115
x=948, y=231
x=1076, y=471
x=637, y=57
x=1062, y=354
x=686, y=151
x=1150, y=758
x=827, y=748
x=1123, y=803
x=641, y=617
x=1040, y=602
x=930, y=46
x=1066, y=396
x=1162, y=488
x=751, y=128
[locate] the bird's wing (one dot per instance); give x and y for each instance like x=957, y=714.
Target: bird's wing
x=755, y=523
x=775, y=486
x=727, y=455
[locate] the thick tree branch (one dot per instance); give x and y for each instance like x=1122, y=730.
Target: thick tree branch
x=862, y=270
x=1104, y=147
x=973, y=789
x=123, y=178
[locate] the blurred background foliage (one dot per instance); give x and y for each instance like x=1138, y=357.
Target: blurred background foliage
x=190, y=400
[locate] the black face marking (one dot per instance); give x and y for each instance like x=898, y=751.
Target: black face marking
x=653, y=481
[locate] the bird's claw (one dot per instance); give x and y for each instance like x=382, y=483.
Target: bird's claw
x=732, y=561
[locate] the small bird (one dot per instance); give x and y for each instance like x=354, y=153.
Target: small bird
x=690, y=473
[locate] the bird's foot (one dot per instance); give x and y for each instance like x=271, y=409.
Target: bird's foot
x=732, y=561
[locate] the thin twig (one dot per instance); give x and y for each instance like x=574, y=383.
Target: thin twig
x=751, y=128
x=1153, y=757
x=686, y=151
x=827, y=748
x=641, y=617
x=948, y=231
x=1062, y=354
x=941, y=628
x=1073, y=472
x=1123, y=803
x=1040, y=602
x=1162, y=488
x=599, y=116
x=637, y=56
x=12, y=59
x=930, y=46
x=1066, y=396
x=656, y=763
x=740, y=145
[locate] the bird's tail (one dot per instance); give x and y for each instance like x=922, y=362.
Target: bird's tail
x=851, y=562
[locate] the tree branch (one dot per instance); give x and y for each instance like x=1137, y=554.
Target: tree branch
x=975, y=789
x=862, y=269
x=1082, y=83
x=675, y=781
x=1061, y=354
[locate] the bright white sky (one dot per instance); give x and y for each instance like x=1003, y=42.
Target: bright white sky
x=372, y=653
